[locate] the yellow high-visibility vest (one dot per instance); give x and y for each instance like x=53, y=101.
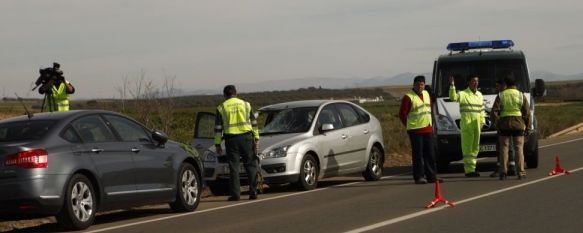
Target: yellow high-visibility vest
x=511, y=102
x=420, y=114
x=236, y=116
x=61, y=97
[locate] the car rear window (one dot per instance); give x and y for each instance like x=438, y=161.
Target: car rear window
x=25, y=130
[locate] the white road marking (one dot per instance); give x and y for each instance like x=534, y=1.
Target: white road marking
x=229, y=206
x=559, y=143
x=428, y=211
x=362, y=229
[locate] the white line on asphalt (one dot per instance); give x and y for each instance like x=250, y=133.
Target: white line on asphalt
x=229, y=206
x=388, y=222
x=559, y=143
x=428, y=211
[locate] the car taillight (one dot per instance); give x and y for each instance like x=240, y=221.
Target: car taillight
x=35, y=158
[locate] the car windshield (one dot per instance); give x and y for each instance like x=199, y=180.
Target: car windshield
x=289, y=120
x=487, y=71
x=24, y=130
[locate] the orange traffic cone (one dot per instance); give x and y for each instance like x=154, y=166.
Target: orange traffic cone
x=558, y=169
x=438, y=197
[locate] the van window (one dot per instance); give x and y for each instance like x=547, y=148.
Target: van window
x=487, y=71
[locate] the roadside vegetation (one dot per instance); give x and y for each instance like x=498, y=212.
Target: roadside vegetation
x=157, y=107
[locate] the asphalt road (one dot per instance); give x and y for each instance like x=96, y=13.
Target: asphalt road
x=539, y=203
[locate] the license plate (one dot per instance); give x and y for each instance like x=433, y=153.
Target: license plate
x=484, y=148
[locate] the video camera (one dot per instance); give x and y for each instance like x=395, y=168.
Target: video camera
x=49, y=74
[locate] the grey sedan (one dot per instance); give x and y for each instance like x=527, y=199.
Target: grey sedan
x=73, y=164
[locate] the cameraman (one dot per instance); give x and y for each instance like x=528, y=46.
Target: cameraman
x=56, y=89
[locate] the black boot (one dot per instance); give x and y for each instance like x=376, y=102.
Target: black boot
x=502, y=176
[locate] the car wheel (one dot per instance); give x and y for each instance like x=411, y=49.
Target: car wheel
x=374, y=167
x=79, y=207
x=308, y=179
x=218, y=188
x=442, y=165
x=188, y=189
x=531, y=157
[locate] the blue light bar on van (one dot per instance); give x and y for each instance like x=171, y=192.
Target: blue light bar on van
x=485, y=44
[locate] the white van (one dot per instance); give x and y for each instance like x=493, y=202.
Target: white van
x=489, y=60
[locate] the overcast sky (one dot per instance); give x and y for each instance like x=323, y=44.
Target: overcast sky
x=208, y=44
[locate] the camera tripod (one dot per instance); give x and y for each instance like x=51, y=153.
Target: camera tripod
x=49, y=103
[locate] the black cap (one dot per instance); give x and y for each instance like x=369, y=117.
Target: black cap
x=419, y=78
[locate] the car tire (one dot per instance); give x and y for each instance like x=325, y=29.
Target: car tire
x=442, y=165
x=188, y=189
x=374, y=167
x=308, y=179
x=531, y=156
x=218, y=188
x=79, y=207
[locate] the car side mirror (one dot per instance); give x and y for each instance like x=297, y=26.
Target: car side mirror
x=326, y=127
x=160, y=137
x=539, y=89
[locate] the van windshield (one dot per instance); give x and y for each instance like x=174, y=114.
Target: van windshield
x=487, y=71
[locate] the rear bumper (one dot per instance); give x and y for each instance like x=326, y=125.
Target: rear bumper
x=41, y=195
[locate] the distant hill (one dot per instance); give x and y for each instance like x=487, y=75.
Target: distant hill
x=343, y=83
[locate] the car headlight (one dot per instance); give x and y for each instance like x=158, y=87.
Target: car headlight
x=445, y=124
x=209, y=156
x=276, y=152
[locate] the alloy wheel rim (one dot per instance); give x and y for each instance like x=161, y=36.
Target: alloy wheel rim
x=82, y=201
x=189, y=187
x=309, y=172
x=375, y=160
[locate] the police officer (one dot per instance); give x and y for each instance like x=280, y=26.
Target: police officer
x=235, y=122
x=56, y=91
x=511, y=112
x=415, y=114
x=471, y=104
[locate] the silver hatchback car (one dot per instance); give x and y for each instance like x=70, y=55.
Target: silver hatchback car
x=301, y=143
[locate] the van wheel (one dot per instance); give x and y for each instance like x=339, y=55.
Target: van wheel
x=308, y=179
x=79, y=207
x=531, y=158
x=188, y=189
x=374, y=167
x=442, y=165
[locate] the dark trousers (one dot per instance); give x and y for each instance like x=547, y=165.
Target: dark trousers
x=239, y=148
x=423, y=156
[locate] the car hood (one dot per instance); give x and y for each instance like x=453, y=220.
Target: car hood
x=267, y=142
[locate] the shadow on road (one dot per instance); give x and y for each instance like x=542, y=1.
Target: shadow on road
x=400, y=175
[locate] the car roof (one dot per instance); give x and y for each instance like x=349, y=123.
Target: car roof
x=299, y=104
x=55, y=115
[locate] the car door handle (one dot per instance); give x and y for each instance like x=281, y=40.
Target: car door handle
x=365, y=131
x=96, y=150
x=344, y=136
x=135, y=150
